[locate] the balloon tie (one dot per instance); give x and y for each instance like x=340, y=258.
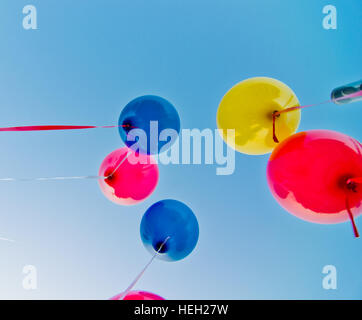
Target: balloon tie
x=355, y=230
x=130, y=287
x=275, y=115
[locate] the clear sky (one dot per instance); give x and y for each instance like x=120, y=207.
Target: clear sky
x=84, y=63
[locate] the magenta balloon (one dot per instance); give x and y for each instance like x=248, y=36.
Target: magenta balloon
x=128, y=182
x=138, y=295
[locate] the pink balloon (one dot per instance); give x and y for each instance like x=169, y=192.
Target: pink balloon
x=131, y=181
x=316, y=176
x=138, y=295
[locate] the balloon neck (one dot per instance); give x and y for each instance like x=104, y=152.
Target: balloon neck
x=127, y=125
x=352, y=186
x=349, y=184
x=352, y=183
x=109, y=175
x=160, y=247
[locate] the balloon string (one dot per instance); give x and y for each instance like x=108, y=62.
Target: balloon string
x=352, y=95
x=120, y=163
x=349, y=96
x=6, y=239
x=355, y=230
x=274, y=134
x=302, y=107
x=71, y=177
x=130, y=287
x=276, y=114
x=52, y=178
x=60, y=127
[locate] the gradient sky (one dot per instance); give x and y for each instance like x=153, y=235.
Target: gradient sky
x=84, y=63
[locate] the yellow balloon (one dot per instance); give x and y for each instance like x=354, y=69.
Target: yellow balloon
x=248, y=108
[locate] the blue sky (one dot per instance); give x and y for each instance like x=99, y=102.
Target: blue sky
x=85, y=62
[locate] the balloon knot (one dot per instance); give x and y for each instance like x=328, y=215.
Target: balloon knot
x=160, y=247
x=351, y=185
x=109, y=175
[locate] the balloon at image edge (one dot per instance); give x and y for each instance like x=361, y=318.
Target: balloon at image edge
x=316, y=176
x=132, y=182
x=138, y=295
x=173, y=221
x=139, y=113
x=248, y=108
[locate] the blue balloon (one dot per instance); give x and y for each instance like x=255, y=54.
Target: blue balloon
x=171, y=220
x=138, y=114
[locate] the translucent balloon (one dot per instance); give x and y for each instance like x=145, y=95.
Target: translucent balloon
x=138, y=295
x=248, y=108
x=171, y=221
x=131, y=179
x=139, y=113
x=348, y=93
x=316, y=176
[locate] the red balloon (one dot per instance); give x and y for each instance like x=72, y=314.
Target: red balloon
x=317, y=175
x=130, y=179
x=138, y=295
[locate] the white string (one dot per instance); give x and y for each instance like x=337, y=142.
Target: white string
x=53, y=178
x=130, y=287
x=123, y=160
x=5, y=239
x=68, y=178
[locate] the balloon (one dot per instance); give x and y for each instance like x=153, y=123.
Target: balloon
x=315, y=175
x=248, y=108
x=139, y=113
x=348, y=93
x=128, y=182
x=171, y=221
x=138, y=295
